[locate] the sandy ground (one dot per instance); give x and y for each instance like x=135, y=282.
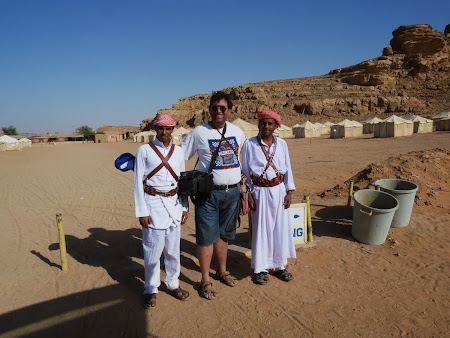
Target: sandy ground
x=341, y=288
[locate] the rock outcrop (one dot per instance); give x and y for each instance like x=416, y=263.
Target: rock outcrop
x=412, y=76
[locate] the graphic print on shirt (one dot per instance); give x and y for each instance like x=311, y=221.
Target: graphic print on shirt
x=226, y=158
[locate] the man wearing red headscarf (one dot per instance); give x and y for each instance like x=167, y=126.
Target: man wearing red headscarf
x=266, y=164
x=160, y=211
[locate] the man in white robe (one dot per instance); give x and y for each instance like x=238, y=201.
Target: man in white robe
x=160, y=210
x=266, y=164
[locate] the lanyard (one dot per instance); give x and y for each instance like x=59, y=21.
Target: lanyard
x=269, y=159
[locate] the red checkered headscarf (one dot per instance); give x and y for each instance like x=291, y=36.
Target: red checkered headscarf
x=164, y=120
x=270, y=114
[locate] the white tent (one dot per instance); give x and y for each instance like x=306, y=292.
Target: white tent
x=306, y=130
x=369, y=124
x=25, y=142
x=443, y=124
x=9, y=143
x=145, y=136
x=441, y=116
x=328, y=126
x=178, y=134
x=421, y=124
x=346, y=128
x=285, y=131
x=322, y=128
x=249, y=129
x=394, y=126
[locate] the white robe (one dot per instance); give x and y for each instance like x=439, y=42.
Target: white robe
x=164, y=232
x=164, y=211
x=272, y=241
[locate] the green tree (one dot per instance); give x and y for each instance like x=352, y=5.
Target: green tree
x=85, y=130
x=9, y=130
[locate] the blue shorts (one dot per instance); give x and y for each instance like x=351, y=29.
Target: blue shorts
x=216, y=215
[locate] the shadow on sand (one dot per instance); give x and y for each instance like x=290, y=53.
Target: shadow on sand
x=333, y=221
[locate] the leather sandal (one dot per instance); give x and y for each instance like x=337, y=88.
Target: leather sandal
x=180, y=294
x=205, y=292
x=284, y=275
x=261, y=278
x=149, y=301
x=227, y=279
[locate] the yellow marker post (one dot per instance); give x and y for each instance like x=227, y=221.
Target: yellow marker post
x=62, y=243
x=308, y=219
x=350, y=194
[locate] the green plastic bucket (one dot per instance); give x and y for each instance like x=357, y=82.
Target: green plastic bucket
x=405, y=193
x=372, y=216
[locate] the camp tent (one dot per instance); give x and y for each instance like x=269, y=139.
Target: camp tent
x=25, y=142
x=421, y=124
x=285, y=131
x=369, y=124
x=442, y=124
x=328, y=126
x=346, y=129
x=145, y=136
x=306, y=130
x=9, y=143
x=394, y=126
x=178, y=134
x=322, y=128
x=249, y=129
x=441, y=116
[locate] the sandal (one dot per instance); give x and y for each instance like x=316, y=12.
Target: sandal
x=227, y=278
x=284, y=275
x=180, y=294
x=261, y=278
x=149, y=301
x=207, y=292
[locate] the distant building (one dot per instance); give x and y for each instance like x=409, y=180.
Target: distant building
x=110, y=134
x=46, y=138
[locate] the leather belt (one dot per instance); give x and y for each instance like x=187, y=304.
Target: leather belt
x=262, y=182
x=152, y=191
x=224, y=187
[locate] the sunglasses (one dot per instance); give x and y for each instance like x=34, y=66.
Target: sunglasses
x=215, y=109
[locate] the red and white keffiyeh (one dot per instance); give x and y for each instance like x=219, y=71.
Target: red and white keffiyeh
x=270, y=114
x=164, y=120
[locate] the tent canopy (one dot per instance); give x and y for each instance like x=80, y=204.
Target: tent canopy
x=244, y=125
x=349, y=123
x=396, y=120
x=8, y=139
x=372, y=120
x=442, y=115
x=308, y=125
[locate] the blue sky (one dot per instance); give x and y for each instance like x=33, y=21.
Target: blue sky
x=67, y=63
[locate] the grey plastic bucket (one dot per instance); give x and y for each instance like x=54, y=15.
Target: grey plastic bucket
x=372, y=216
x=404, y=192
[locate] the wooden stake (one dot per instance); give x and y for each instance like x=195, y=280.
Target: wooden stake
x=350, y=194
x=62, y=243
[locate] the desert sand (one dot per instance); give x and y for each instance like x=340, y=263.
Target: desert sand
x=342, y=288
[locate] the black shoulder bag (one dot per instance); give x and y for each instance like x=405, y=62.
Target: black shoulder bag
x=194, y=182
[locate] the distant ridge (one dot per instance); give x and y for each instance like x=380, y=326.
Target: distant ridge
x=411, y=77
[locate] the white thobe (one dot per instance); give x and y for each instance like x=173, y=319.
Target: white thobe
x=272, y=241
x=163, y=234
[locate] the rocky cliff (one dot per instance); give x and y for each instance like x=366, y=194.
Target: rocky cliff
x=411, y=76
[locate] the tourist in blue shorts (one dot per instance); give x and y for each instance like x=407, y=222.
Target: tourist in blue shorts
x=216, y=214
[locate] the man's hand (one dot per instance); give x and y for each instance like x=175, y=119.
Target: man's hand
x=184, y=217
x=251, y=202
x=287, y=199
x=145, y=221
